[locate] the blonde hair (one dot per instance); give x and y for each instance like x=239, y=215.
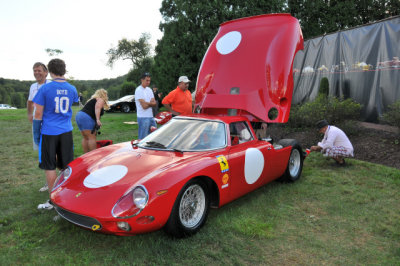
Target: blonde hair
x=101, y=93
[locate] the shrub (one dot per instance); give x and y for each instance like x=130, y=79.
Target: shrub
x=324, y=86
x=392, y=116
x=334, y=110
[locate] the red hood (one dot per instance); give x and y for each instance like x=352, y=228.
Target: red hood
x=248, y=68
x=80, y=193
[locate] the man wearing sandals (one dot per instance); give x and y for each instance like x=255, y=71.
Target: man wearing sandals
x=335, y=144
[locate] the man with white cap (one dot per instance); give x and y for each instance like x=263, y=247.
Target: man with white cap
x=335, y=143
x=179, y=101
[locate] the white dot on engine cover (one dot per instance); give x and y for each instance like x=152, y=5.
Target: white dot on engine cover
x=105, y=176
x=229, y=42
x=253, y=165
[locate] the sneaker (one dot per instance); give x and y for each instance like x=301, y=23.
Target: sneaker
x=44, y=188
x=45, y=206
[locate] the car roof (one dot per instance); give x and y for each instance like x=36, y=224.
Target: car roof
x=247, y=69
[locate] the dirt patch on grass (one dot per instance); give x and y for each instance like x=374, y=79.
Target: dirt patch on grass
x=372, y=142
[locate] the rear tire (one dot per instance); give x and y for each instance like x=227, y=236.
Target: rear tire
x=295, y=162
x=190, y=210
x=126, y=108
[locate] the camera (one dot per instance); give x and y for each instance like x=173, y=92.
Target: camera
x=96, y=129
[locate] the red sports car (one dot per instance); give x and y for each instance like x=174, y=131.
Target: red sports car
x=172, y=177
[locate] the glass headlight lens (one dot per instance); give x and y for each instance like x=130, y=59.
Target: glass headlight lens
x=131, y=204
x=140, y=197
x=62, y=177
x=67, y=172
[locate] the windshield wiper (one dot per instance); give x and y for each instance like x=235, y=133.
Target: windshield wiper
x=176, y=150
x=154, y=144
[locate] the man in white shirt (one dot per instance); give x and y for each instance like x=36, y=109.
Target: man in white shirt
x=144, y=100
x=335, y=143
x=40, y=73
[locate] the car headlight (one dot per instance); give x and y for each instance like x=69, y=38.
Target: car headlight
x=62, y=177
x=131, y=203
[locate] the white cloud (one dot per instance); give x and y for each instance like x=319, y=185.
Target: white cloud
x=84, y=30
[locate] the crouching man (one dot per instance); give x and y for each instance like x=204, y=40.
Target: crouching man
x=335, y=143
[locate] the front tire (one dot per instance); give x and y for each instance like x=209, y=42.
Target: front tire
x=295, y=162
x=190, y=210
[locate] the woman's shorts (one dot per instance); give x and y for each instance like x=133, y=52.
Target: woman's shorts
x=84, y=121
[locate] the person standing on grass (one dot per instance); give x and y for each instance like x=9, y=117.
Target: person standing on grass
x=157, y=99
x=40, y=73
x=335, y=144
x=88, y=119
x=52, y=127
x=144, y=100
x=179, y=101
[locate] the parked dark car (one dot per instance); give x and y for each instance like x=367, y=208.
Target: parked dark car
x=125, y=104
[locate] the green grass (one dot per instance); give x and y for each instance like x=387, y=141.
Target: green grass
x=332, y=215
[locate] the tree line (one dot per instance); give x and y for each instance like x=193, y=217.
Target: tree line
x=16, y=92
x=188, y=28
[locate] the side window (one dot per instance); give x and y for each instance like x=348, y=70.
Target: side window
x=240, y=133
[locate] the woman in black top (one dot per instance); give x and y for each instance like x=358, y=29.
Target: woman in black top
x=88, y=119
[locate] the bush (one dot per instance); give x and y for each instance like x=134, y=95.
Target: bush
x=334, y=110
x=392, y=116
x=324, y=86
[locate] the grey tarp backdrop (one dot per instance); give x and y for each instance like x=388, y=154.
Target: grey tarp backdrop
x=361, y=63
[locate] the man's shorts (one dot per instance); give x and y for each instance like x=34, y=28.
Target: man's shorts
x=56, y=151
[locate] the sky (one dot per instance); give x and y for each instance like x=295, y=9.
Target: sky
x=83, y=29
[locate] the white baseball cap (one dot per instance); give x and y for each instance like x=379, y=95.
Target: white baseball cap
x=183, y=79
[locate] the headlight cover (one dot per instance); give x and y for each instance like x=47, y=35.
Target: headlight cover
x=62, y=177
x=131, y=203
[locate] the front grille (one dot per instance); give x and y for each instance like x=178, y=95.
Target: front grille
x=78, y=219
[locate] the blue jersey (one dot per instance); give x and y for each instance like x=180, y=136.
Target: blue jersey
x=57, y=99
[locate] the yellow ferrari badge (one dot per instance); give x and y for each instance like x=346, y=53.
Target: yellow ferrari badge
x=223, y=163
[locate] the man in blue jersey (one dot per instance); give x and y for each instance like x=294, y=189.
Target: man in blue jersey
x=52, y=127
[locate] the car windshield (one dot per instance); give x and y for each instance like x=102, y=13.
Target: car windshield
x=182, y=134
x=126, y=98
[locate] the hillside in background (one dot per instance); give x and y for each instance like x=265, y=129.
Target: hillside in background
x=15, y=92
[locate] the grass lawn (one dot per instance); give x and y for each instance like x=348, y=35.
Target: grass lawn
x=332, y=215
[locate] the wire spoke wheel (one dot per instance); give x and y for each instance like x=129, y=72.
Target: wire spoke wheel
x=192, y=206
x=294, y=162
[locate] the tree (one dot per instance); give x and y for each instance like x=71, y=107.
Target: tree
x=145, y=65
x=53, y=52
x=132, y=50
x=127, y=88
x=17, y=99
x=189, y=27
x=5, y=96
x=318, y=17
